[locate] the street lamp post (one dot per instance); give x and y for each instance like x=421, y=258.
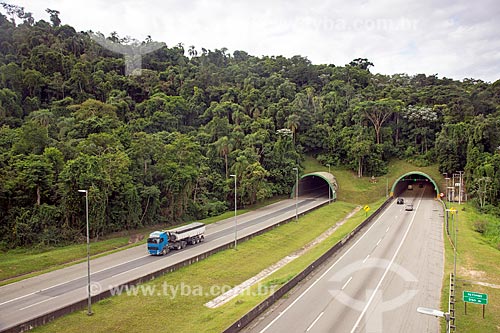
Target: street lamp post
x=436, y=313
x=386, y=187
x=89, y=303
x=235, y=213
x=455, y=247
x=453, y=213
x=296, y=194
x=447, y=188
x=329, y=189
x=460, y=187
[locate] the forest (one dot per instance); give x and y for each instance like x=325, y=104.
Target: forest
x=159, y=147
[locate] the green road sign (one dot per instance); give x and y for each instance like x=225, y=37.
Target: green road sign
x=476, y=298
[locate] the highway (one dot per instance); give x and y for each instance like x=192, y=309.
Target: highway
x=33, y=297
x=376, y=282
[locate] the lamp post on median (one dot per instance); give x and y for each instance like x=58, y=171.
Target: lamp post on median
x=235, y=214
x=329, y=189
x=296, y=194
x=89, y=305
x=453, y=212
x=436, y=313
x=460, y=187
x=447, y=179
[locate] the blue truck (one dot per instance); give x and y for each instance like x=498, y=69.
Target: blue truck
x=161, y=242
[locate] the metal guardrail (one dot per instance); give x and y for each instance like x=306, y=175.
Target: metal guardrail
x=82, y=304
x=265, y=304
x=451, y=296
x=445, y=216
x=451, y=304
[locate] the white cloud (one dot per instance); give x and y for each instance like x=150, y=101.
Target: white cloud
x=452, y=38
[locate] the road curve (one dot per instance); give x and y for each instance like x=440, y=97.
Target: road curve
x=33, y=297
x=376, y=282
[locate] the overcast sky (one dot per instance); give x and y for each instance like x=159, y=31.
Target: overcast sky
x=452, y=38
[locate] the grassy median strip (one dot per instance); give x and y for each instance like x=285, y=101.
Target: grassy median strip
x=175, y=302
x=477, y=261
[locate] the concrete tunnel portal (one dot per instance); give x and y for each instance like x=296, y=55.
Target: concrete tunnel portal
x=317, y=185
x=413, y=179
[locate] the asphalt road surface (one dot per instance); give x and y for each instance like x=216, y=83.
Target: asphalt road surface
x=378, y=280
x=30, y=298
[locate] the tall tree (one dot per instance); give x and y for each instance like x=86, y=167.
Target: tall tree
x=293, y=124
x=224, y=147
x=378, y=112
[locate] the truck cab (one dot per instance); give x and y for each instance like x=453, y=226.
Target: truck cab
x=158, y=243
x=161, y=242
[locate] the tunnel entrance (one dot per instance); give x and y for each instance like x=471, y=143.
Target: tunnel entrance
x=317, y=185
x=414, y=180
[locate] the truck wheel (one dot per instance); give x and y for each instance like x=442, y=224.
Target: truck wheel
x=202, y=238
x=183, y=244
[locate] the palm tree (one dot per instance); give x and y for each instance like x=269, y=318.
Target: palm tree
x=292, y=123
x=224, y=147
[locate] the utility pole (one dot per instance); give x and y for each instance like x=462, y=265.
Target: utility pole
x=445, y=175
x=89, y=296
x=386, y=187
x=460, y=188
x=329, y=195
x=453, y=188
x=235, y=212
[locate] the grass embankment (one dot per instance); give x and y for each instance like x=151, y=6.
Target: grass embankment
x=22, y=263
x=187, y=313
x=477, y=261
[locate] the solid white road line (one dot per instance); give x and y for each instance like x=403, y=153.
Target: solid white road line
x=18, y=298
x=29, y=306
x=386, y=271
x=323, y=275
x=315, y=321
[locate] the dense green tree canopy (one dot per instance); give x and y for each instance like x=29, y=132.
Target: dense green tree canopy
x=159, y=147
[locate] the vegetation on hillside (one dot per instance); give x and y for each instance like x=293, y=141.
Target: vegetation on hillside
x=161, y=146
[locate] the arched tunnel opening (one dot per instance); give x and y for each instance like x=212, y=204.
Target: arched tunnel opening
x=413, y=182
x=317, y=185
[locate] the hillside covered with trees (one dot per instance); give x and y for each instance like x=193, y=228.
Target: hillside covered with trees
x=159, y=147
